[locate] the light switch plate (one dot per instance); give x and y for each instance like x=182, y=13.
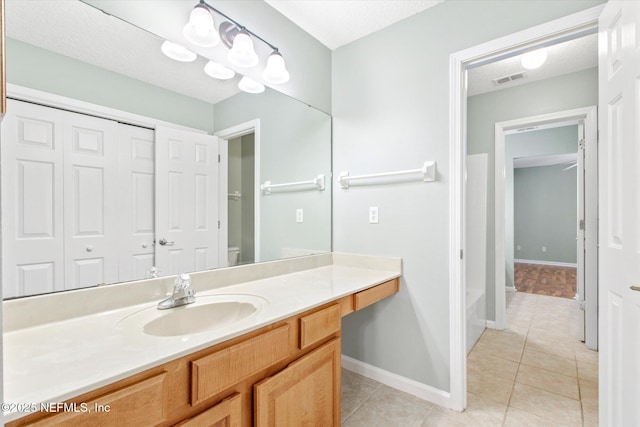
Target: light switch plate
x=544, y=249
x=299, y=215
x=373, y=215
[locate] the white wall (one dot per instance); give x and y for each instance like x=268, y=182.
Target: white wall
x=390, y=108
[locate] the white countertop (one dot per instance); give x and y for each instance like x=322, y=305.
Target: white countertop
x=55, y=361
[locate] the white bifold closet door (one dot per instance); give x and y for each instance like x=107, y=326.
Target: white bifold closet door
x=136, y=201
x=186, y=201
x=59, y=188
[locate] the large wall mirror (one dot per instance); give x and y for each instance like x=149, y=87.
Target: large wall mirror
x=119, y=164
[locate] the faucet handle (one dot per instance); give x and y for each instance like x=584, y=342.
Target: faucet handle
x=183, y=281
x=152, y=273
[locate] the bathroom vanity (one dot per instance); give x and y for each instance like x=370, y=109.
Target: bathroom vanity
x=279, y=365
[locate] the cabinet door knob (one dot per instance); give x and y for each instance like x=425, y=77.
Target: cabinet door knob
x=89, y=248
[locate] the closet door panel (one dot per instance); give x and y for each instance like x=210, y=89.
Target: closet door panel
x=91, y=207
x=32, y=178
x=136, y=149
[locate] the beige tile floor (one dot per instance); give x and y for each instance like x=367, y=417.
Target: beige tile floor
x=534, y=373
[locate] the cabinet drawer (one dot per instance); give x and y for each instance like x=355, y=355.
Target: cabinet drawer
x=227, y=413
x=142, y=403
x=314, y=327
x=225, y=368
x=375, y=294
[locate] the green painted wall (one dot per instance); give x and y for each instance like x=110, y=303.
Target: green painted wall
x=37, y=68
x=545, y=212
x=545, y=142
x=295, y=145
x=391, y=112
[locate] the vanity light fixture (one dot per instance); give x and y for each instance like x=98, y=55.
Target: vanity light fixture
x=200, y=30
x=177, y=52
x=534, y=59
x=218, y=71
x=275, y=71
x=251, y=86
x=242, y=53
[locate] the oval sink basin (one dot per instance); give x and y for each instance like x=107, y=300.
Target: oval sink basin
x=206, y=314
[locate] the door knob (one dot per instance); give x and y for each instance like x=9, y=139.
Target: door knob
x=165, y=242
x=635, y=288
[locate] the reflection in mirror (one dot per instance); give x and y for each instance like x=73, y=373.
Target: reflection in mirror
x=110, y=167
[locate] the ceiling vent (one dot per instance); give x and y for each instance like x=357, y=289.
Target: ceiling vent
x=510, y=78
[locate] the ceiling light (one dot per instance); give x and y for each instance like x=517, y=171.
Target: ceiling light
x=177, y=52
x=218, y=71
x=242, y=53
x=276, y=70
x=251, y=86
x=534, y=59
x=200, y=29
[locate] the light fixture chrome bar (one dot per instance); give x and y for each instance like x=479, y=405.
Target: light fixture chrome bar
x=318, y=182
x=237, y=24
x=428, y=171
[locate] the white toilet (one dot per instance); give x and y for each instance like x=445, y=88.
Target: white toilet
x=234, y=255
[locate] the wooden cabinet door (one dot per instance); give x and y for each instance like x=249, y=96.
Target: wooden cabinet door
x=227, y=413
x=306, y=393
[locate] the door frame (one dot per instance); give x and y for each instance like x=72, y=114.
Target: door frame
x=530, y=39
x=251, y=126
x=588, y=116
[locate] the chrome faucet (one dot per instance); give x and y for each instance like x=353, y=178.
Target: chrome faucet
x=181, y=294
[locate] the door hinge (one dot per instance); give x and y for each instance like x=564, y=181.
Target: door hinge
x=581, y=225
x=581, y=144
x=218, y=158
x=461, y=254
x=218, y=224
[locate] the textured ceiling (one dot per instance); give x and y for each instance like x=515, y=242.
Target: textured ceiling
x=335, y=23
x=568, y=57
x=106, y=41
x=79, y=31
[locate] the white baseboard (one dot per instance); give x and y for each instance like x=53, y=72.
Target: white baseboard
x=554, y=263
x=423, y=391
x=491, y=324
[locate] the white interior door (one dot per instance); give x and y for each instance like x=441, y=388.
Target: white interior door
x=186, y=201
x=32, y=181
x=619, y=154
x=90, y=200
x=136, y=199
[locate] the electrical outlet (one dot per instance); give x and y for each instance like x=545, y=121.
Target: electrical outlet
x=299, y=215
x=518, y=248
x=373, y=215
x=544, y=249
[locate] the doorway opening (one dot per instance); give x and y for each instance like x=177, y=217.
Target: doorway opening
x=239, y=187
x=571, y=27
x=241, y=199
x=586, y=260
